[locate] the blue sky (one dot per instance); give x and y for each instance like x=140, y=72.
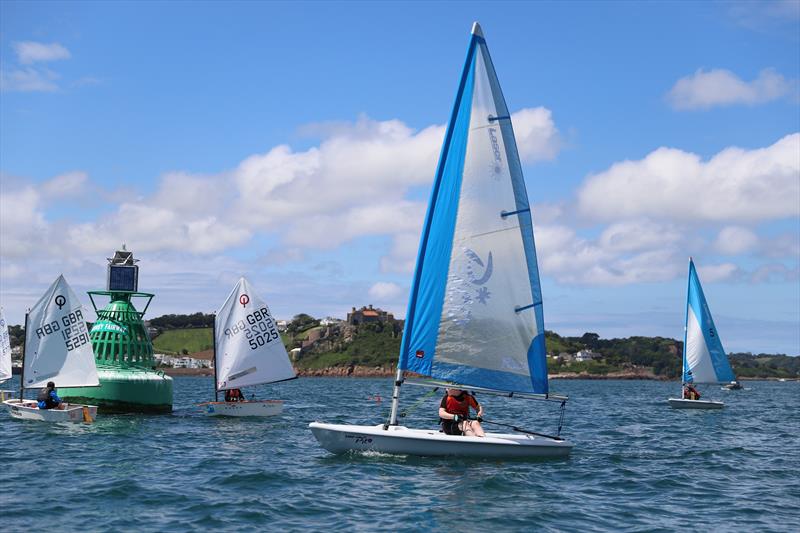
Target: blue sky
x=295, y=143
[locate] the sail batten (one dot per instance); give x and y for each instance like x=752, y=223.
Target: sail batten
x=465, y=321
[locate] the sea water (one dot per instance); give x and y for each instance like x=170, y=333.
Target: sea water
x=637, y=465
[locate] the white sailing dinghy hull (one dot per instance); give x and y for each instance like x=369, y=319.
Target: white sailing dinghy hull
x=29, y=410
x=258, y=408
x=678, y=403
x=400, y=440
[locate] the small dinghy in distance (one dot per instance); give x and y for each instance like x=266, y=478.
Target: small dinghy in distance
x=475, y=318
x=704, y=359
x=248, y=351
x=57, y=348
x=5, y=357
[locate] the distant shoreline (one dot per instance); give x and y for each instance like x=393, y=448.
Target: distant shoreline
x=382, y=372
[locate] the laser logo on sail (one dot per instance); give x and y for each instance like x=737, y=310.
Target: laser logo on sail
x=498, y=160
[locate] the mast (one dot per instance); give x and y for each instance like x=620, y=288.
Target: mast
x=214, y=333
x=398, y=380
x=686, y=325
x=22, y=374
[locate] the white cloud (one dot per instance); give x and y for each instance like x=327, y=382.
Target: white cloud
x=23, y=228
x=712, y=273
x=65, y=185
x=536, y=134
x=28, y=80
x=383, y=291
x=638, y=235
x=30, y=75
x=354, y=184
x=734, y=240
x=736, y=184
x=29, y=52
x=720, y=87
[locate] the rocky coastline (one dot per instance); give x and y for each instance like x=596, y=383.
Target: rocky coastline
x=358, y=371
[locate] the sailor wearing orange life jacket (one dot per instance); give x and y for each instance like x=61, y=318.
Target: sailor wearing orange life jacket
x=454, y=413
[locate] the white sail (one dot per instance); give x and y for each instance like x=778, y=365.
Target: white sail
x=5, y=349
x=248, y=347
x=57, y=343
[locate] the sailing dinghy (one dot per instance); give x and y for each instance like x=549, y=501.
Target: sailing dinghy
x=474, y=317
x=704, y=359
x=5, y=356
x=248, y=350
x=57, y=348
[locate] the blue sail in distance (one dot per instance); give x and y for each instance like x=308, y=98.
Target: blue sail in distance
x=475, y=311
x=704, y=359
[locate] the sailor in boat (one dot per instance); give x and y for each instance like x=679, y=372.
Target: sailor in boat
x=454, y=414
x=690, y=393
x=234, y=395
x=48, y=397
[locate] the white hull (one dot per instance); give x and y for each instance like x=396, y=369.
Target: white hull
x=247, y=408
x=341, y=438
x=678, y=403
x=29, y=410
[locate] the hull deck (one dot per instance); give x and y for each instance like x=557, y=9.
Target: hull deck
x=241, y=409
x=29, y=410
x=341, y=438
x=679, y=403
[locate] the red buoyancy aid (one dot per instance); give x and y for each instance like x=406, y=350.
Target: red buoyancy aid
x=454, y=406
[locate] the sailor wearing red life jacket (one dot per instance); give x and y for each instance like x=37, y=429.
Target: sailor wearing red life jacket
x=690, y=393
x=454, y=413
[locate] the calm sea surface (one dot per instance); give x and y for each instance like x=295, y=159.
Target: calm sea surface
x=637, y=466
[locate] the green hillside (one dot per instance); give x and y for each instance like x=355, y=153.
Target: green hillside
x=184, y=341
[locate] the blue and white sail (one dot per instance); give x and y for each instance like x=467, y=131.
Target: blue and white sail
x=475, y=311
x=704, y=359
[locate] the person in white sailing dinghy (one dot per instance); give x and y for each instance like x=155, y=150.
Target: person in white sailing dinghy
x=48, y=397
x=454, y=413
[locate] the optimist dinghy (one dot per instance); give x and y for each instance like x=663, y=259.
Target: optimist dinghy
x=248, y=350
x=5, y=357
x=704, y=359
x=475, y=315
x=57, y=348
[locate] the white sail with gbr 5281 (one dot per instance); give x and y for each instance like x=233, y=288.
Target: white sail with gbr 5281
x=57, y=349
x=248, y=350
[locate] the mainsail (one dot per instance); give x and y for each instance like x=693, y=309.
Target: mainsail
x=475, y=311
x=5, y=349
x=57, y=344
x=248, y=347
x=704, y=359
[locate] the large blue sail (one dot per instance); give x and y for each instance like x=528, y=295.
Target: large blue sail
x=704, y=359
x=475, y=311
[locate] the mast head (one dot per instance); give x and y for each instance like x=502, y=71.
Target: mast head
x=476, y=29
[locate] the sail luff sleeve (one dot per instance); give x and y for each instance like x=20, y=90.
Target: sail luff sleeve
x=425, y=302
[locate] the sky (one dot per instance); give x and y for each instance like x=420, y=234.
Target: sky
x=296, y=143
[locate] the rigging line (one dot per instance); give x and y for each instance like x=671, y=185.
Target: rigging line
x=415, y=405
x=419, y=402
x=520, y=430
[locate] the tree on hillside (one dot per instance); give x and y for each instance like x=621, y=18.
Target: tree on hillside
x=300, y=323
